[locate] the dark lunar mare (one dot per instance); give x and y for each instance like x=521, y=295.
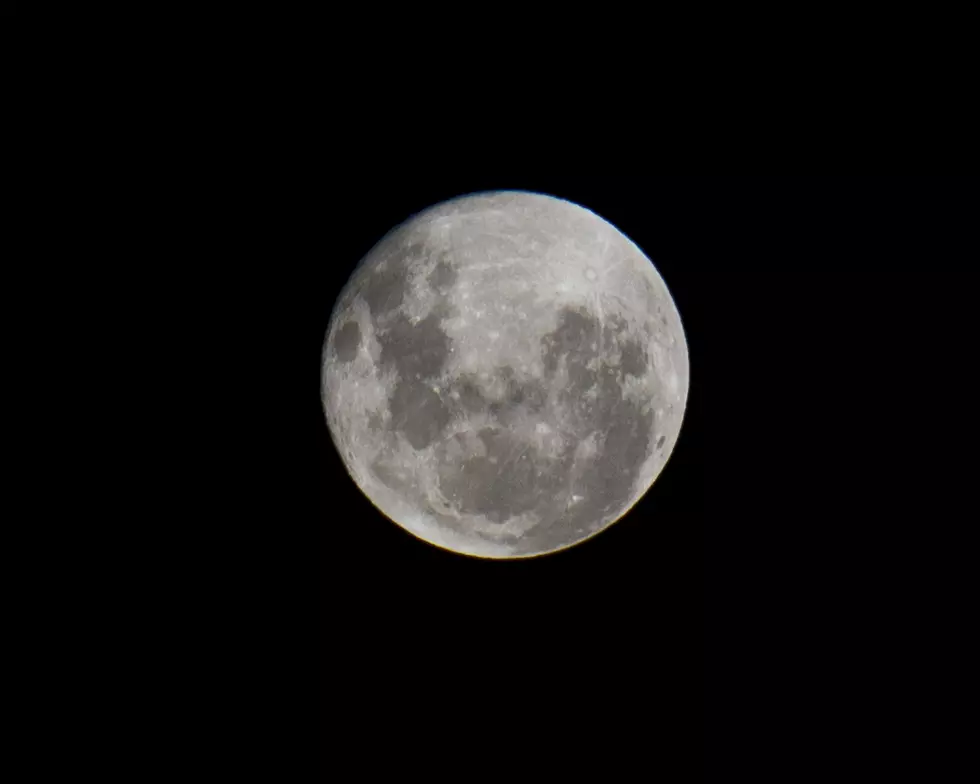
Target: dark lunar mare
x=417, y=353
x=385, y=285
x=621, y=427
x=509, y=480
x=418, y=413
x=346, y=341
x=634, y=358
x=443, y=276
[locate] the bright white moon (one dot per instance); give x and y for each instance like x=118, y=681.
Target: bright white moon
x=505, y=374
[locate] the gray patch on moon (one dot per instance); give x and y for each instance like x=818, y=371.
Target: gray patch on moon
x=574, y=338
x=520, y=397
x=347, y=341
x=388, y=475
x=442, y=277
x=529, y=395
x=634, y=358
x=384, y=288
x=470, y=396
x=417, y=351
x=508, y=479
x=622, y=428
x=607, y=486
x=386, y=284
x=417, y=412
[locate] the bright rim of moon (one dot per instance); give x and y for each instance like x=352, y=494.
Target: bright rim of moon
x=505, y=374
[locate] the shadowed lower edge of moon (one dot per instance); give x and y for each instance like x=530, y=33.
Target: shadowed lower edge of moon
x=461, y=548
x=512, y=556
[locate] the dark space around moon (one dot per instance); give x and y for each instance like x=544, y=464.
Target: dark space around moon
x=788, y=602
x=717, y=605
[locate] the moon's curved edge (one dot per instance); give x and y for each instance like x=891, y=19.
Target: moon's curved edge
x=642, y=487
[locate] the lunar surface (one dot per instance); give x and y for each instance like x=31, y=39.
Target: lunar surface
x=505, y=374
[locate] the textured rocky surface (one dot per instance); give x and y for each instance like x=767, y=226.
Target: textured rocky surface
x=505, y=374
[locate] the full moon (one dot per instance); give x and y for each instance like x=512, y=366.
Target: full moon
x=505, y=374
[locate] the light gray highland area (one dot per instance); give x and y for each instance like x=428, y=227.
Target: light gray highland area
x=505, y=374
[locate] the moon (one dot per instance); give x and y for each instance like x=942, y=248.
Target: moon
x=505, y=374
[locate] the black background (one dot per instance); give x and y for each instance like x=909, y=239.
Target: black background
x=751, y=614
x=786, y=603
